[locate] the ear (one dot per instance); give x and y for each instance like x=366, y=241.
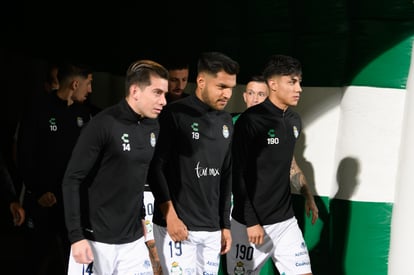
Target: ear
x=201, y=80
x=273, y=84
x=134, y=91
x=75, y=84
x=245, y=97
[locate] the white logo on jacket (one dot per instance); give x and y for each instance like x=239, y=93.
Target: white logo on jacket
x=206, y=171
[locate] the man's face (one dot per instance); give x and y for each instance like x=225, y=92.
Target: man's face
x=150, y=101
x=285, y=90
x=215, y=90
x=177, y=82
x=256, y=92
x=83, y=87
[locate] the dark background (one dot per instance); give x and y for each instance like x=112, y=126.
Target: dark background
x=333, y=40
x=340, y=36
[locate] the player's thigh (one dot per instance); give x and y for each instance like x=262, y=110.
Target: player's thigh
x=129, y=258
x=208, y=247
x=244, y=257
x=175, y=257
x=291, y=253
x=133, y=258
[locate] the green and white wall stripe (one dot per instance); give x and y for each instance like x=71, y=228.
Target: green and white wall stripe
x=350, y=153
x=353, y=143
x=353, y=157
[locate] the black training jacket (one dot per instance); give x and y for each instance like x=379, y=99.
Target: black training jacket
x=46, y=137
x=192, y=164
x=263, y=145
x=110, y=163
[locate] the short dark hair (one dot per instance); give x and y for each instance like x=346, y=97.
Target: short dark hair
x=69, y=70
x=279, y=64
x=214, y=62
x=257, y=78
x=139, y=73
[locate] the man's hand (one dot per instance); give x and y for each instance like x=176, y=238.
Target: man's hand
x=18, y=213
x=177, y=229
x=175, y=226
x=255, y=234
x=48, y=199
x=225, y=241
x=310, y=205
x=82, y=252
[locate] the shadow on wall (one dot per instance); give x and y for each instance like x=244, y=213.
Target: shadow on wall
x=327, y=240
x=341, y=211
x=320, y=251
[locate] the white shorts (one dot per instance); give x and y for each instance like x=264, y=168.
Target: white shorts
x=149, y=212
x=199, y=254
x=283, y=242
x=115, y=259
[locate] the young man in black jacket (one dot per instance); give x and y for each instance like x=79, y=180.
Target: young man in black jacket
x=104, y=181
x=263, y=223
x=190, y=174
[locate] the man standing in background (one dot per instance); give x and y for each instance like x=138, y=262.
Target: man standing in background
x=256, y=92
x=45, y=139
x=178, y=70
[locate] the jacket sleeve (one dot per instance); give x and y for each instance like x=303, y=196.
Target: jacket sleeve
x=242, y=142
x=84, y=156
x=225, y=190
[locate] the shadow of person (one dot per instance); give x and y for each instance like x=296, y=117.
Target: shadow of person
x=320, y=250
x=340, y=212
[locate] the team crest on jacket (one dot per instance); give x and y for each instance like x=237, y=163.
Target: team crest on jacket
x=79, y=121
x=295, y=131
x=226, y=131
x=152, y=139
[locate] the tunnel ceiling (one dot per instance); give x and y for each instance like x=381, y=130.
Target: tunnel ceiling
x=333, y=39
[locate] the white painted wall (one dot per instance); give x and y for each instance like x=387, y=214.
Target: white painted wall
x=402, y=226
